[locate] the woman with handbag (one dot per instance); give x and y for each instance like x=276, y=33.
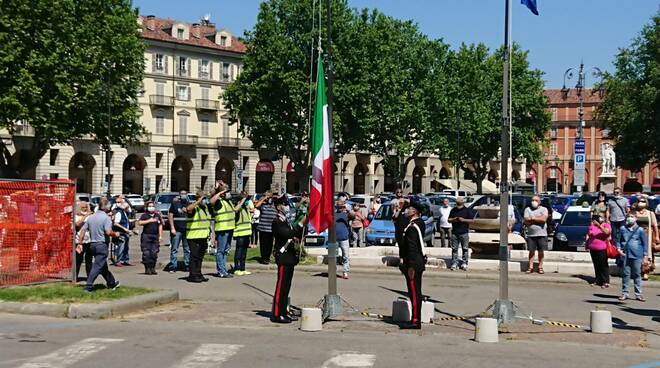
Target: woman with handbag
x=647, y=221
x=598, y=238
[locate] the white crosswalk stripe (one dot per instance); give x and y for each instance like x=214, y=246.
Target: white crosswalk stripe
x=351, y=360
x=69, y=355
x=209, y=355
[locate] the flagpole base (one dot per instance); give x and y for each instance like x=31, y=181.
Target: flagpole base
x=332, y=306
x=503, y=311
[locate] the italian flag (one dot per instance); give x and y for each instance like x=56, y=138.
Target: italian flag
x=320, y=207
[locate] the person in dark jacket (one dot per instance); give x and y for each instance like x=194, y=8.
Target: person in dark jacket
x=400, y=218
x=412, y=261
x=286, y=259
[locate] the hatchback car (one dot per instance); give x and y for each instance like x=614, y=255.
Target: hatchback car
x=136, y=201
x=572, y=230
x=381, y=229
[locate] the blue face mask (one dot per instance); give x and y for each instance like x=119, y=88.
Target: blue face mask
x=630, y=221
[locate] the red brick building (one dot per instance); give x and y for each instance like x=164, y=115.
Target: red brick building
x=556, y=173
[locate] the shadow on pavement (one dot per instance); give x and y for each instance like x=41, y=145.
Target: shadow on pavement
x=608, y=302
x=589, y=279
x=606, y=296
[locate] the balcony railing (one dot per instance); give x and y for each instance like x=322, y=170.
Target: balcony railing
x=227, y=142
x=160, y=100
x=183, y=139
x=203, y=104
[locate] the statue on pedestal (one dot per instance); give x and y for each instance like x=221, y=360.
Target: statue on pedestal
x=609, y=159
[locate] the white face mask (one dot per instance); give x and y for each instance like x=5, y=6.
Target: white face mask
x=151, y=209
x=641, y=204
x=535, y=204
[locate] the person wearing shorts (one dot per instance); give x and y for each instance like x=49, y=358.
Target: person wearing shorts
x=537, y=233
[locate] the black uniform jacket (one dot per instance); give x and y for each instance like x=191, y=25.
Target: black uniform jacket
x=282, y=232
x=411, y=249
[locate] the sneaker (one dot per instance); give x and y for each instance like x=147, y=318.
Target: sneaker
x=453, y=267
x=126, y=264
x=245, y=273
x=344, y=276
x=464, y=267
x=623, y=297
x=116, y=286
x=239, y=273
x=225, y=276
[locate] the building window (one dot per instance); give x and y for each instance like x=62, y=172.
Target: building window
x=54, y=176
x=159, y=63
x=204, y=69
x=553, y=173
x=183, y=125
x=225, y=72
x=159, y=159
x=180, y=33
x=205, y=93
x=632, y=175
x=205, y=127
x=223, y=40
x=605, y=133
x=554, y=114
x=204, y=180
x=184, y=66
x=183, y=93
x=553, y=149
x=204, y=159
x=53, y=156
x=160, y=125
x=553, y=132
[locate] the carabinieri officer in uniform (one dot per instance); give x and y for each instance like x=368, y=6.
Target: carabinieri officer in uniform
x=412, y=261
x=286, y=259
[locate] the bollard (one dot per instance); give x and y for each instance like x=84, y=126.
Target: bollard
x=311, y=319
x=428, y=312
x=486, y=330
x=401, y=310
x=601, y=321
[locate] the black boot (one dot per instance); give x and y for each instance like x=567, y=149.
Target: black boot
x=153, y=269
x=147, y=269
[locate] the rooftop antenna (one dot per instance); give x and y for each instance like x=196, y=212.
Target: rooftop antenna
x=206, y=19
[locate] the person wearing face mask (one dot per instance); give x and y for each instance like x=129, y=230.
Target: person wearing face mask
x=152, y=234
x=647, y=221
x=444, y=227
x=460, y=217
x=225, y=222
x=633, y=250
x=121, y=224
x=84, y=253
x=198, y=230
x=286, y=258
x=597, y=236
x=267, y=214
x=600, y=205
x=618, y=207
x=375, y=205
x=176, y=216
x=535, y=218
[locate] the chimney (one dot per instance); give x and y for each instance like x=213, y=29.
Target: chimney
x=196, y=31
x=151, y=22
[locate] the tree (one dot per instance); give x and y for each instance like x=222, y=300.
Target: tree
x=62, y=63
x=271, y=96
x=475, y=105
x=631, y=104
x=396, y=68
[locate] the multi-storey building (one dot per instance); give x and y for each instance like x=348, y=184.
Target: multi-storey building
x=556, y=173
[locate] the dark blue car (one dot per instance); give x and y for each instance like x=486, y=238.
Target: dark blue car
x=561, y=203
x=571, y=233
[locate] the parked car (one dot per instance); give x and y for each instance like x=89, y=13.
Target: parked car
x=163, y=201
x=560, y=203
x=381, y=229
x=572, y=229
x=363, y=201
x=313, y=239
x=590, y=198
x=436, y=203
x=83, y=197
x=136, y=201
x=457, y=193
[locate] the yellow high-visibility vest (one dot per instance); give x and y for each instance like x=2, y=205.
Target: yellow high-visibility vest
x=244, y=224
x=225, y=218
x=198, y=226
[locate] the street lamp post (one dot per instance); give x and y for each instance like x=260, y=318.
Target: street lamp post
x=107, y=152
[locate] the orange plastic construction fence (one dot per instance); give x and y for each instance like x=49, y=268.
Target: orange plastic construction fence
x=36, y=231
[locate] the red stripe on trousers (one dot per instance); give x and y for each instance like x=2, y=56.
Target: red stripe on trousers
x=414, y=294
x=278, y=290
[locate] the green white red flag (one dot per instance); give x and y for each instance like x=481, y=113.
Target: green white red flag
x=321, y=189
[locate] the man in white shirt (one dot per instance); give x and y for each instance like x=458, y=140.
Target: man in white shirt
x=444, y=227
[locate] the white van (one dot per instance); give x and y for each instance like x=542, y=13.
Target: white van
x=457, y=193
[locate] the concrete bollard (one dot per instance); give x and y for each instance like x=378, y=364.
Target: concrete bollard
x=401, y=310
x=486, y=330
x=428, y=312
x=601, y=321
x=311, y=319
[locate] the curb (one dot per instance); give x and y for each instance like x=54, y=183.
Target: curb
x=445, y=273
x=91, y=310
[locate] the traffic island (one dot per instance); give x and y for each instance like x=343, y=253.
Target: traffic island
x=70, y=301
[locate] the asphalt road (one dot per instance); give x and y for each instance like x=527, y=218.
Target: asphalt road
x=224, y=323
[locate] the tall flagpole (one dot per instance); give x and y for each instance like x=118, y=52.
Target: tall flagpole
x=332, y=305
x=503, y=307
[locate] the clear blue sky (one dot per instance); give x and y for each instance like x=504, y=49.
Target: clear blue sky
x=565, y=31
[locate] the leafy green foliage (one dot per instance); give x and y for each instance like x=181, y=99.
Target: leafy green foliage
x=62, y=63
x=631, y=105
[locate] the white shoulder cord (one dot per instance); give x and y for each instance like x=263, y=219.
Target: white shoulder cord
x=421, y=237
